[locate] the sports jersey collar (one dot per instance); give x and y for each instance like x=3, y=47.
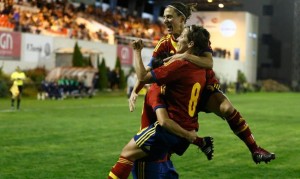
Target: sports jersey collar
x=173, y=41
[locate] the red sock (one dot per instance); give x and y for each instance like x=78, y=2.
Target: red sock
x=121, y=169
x=199, y=142
x=239, y=126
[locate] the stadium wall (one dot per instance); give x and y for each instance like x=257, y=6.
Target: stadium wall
x=234, y=37
x=42, y=51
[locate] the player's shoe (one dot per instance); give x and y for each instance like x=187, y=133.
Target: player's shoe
x=208, y=147
x=261, y=155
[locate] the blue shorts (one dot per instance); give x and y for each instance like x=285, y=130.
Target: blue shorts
x=157, y=142
x=154, y=170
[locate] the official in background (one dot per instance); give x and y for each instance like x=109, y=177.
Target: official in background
x=17, y=78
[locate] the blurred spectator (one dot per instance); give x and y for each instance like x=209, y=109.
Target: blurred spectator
x=131, y=80
x=59, y=18
x=115, y=79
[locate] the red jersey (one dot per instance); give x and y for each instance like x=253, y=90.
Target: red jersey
x=153, y=100
x=168, y=45
x=185, y=83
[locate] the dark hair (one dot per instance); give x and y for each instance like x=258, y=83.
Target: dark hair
x=184, y=9
x=200, y=36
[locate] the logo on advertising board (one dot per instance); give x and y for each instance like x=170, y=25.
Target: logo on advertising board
x=10, y=44
x=210, y=21
x=125, y=54
x=228, y=28
x=38, y=50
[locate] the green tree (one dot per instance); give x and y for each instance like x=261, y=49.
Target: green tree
x=4, y=83
x=77, y=59
x=103, y=80
x=241, y=77
x=89, y=62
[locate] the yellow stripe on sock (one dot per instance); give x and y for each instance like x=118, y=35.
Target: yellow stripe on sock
x=113, y=176
x=122, y=160
x=242, y=129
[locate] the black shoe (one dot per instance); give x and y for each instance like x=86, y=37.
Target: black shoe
x=261, y=155
x=208, y=147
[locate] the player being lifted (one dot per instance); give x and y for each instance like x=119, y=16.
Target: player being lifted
x=183, y=82
x=213, y=100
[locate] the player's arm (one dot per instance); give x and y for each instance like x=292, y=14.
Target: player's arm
x=138, y=85
x=143, y=75
x=172, y=126
x=13, y=77
x=134, y=94
x=205, y=61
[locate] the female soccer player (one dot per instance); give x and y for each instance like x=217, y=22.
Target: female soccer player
x=213, y=100
x=183, y=80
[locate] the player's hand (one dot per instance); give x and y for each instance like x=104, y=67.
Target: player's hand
x=132, y=100
x=137, y=44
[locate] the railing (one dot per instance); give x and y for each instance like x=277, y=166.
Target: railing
x=126, y=40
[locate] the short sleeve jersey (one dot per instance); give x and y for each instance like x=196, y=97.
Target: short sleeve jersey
x=166, y=44
x=18, y=78
x=185, y=82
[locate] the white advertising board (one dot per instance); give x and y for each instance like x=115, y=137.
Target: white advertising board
x=37, y=48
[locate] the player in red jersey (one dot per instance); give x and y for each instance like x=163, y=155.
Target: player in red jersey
x=155, y=141
x=154, y=106
x=213, y=100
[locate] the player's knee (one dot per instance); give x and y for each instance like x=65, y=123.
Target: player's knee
x=226, y=108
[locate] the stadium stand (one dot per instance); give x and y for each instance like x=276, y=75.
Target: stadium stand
x=77, y=22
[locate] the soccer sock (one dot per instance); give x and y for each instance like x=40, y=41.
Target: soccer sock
x=18, y=103
x=199, y=142
x=121, y=169
x=239, y=126
x=12, y=102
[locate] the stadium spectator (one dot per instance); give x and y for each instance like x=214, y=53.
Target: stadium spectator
x=131, y=80
x=56, y=18
x=115, y=78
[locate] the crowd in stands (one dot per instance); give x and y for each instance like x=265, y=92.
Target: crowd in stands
x=59, y=18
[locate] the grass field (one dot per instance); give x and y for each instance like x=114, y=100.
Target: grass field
x=82, y=138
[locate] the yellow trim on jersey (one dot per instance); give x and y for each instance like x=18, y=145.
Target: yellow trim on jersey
x=160, y=42
x=113, y=176
x=174, y=43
